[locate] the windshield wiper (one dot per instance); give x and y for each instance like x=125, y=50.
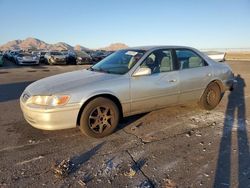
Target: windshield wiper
x=91, y=69
x=98, y=70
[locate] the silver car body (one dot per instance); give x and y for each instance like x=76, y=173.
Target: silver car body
x=136, y=94
x=27, y=59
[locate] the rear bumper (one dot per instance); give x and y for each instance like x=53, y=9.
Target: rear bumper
x=51, y=119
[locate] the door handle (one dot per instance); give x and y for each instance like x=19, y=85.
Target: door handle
x=174, y=80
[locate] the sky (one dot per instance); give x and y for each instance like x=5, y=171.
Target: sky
x=97, y=23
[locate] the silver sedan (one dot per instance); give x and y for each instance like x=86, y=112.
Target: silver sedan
x=128, y=82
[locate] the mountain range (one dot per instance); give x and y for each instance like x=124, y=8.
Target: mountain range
x=36, y=44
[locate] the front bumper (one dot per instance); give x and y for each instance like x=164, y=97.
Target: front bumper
x=35, y=62
x=59, y=61
x=51, y=119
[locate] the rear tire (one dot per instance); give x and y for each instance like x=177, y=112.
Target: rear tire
x=99, y=118
x=211, y=96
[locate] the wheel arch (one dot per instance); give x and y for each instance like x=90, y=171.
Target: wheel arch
x=217, y=81
x=104, y=95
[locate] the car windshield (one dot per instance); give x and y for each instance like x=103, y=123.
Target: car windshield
x=24, y=54
x=56, y=53
x=119, y=62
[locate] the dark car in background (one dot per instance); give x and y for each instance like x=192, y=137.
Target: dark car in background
x=70, y=57
x=83, y=58
x=41, y=56
x=13, y=54
x=100, y=55
x=26, y=59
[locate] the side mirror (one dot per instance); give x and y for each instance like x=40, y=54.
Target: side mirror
x=142, y=72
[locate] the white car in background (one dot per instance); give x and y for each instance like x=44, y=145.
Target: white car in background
x=216, y=56
x=26, y=59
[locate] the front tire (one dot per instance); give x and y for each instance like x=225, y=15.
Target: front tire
x=211, y=96
x=99, y=118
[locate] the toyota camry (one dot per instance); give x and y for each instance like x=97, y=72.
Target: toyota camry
x=128, y=82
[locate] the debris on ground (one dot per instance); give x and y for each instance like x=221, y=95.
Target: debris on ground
x=190, y=133
x=32, y=141
x=146, y=184
x=64, y=168
x=82, y=183
x=205, y=174
x=131, y=173
x=198, y=134
x=170, y=183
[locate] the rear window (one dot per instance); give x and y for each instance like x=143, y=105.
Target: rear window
x=188, y=59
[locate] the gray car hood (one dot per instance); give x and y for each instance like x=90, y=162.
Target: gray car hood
x=63, y=83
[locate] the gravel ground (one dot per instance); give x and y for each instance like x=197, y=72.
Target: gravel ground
x=174, y=147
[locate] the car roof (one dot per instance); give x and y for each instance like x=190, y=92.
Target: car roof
x=147, y=48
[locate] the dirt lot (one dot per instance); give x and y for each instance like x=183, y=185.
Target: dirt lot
x=245, y=56
x=178, y=146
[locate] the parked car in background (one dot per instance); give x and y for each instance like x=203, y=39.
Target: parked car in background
x=128, y=82
x=217, y=56
x=1, y=59
x=55, y=57
x=98, y=56
x=41, y=56
x=26, y=59
x=13, y=54
x=83, y=58
x=36, y=53
x=70, y=57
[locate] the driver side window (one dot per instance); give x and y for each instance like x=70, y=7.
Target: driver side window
x=159, y=61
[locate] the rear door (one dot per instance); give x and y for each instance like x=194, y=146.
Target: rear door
x=195, y=74
x=159, y=89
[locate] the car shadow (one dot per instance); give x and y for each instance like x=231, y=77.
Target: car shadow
x=124, y=122
x=235, y=112
x=84, y=157
x=12, y=91
x=69, y=167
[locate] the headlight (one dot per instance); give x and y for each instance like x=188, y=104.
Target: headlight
x=20, y=58
x=54, y=100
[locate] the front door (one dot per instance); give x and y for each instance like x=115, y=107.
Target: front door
x=159, y=89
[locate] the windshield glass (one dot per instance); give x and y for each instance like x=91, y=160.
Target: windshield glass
x=24, y=54
x=119, y=62
x=56, y=53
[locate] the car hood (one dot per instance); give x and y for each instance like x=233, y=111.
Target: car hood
x=66, y=82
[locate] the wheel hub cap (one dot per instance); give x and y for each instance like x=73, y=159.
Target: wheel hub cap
x=101, y=119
